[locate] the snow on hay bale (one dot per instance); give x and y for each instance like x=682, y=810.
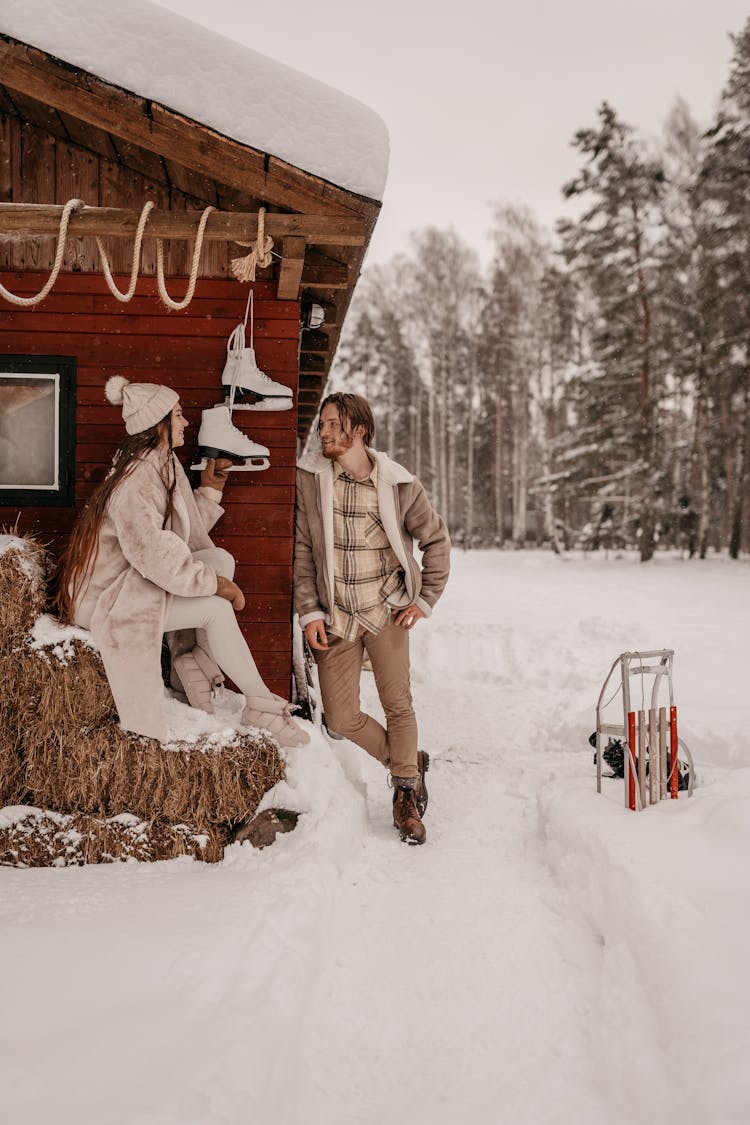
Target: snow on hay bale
x=61, y=746
x=31, y=837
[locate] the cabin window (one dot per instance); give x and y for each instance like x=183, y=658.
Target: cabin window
x=37, y=430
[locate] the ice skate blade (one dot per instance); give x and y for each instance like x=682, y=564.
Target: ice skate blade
x=246, y=468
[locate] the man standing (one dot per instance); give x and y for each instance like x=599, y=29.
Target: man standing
x=358, y=589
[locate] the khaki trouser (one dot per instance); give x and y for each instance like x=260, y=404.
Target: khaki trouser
x=339, y=670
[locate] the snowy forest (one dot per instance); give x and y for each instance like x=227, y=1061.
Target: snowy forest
x=589, y=388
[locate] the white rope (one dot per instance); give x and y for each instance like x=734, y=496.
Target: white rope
x=70, y=206
x=193, y=271
x=260, y=253
x=125, y=297
x=75, y=205
x=250, y=311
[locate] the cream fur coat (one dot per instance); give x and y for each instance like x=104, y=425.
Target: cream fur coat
x=138, y=569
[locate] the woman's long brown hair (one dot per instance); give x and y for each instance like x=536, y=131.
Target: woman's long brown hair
x=80, y=554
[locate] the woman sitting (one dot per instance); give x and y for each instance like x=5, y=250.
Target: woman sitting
x=140, y=563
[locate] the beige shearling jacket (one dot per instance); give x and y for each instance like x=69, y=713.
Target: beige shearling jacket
x=138, y=568
x=407, y=516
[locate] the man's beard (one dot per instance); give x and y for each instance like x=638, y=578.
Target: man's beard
x=339, y=445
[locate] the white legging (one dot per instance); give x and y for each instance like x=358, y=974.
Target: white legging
x=216, y=627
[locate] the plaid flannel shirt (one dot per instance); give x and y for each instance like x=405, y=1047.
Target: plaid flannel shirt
x=365, y=567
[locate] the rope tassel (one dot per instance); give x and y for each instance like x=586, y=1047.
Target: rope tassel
x=260, y=254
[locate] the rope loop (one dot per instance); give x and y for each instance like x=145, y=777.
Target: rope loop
x=124, y=296
x=127, y=296
x=71, y=206
x=168, y=301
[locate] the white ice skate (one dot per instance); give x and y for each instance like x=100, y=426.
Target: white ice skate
x=218, y=437
x=242, y=376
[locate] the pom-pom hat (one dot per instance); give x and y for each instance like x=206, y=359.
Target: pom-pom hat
x=143, y=404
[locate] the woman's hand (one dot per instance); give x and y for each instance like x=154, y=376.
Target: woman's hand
x=215, y=473
x=230, y=591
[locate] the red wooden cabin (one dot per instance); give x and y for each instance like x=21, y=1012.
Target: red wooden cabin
x=68, y=133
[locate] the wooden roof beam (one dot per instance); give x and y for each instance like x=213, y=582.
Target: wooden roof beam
x=292, y=264
x=222, y=226
x=170, y=135
x=36, y=113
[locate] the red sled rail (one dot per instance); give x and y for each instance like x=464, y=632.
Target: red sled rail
x=651, y=768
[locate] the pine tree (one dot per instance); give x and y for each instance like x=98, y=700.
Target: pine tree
x=725, y=185
x=696, y=348
x=613, y=245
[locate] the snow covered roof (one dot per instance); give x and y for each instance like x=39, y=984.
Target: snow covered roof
x=211, y=79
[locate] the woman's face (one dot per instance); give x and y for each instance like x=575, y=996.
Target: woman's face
x=179, y=424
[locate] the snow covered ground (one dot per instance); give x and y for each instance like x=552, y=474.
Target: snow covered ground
x=546, y=957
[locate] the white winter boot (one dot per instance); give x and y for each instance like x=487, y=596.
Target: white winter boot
x=275, y=716
x=218, y=437
x=199, y=677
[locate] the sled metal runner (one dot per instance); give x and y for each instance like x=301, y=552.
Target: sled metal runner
x=643, y=730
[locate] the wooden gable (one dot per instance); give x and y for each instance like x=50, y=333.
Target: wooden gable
x=66, y=134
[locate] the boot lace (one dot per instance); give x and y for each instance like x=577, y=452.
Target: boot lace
x=406, y=803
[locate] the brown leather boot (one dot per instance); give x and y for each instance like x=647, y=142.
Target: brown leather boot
x=405, y=812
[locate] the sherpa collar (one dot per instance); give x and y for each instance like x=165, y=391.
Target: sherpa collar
x=389, y=472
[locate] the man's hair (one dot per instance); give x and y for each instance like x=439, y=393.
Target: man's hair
x=353, y=409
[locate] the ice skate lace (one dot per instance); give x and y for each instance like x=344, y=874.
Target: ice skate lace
x=238, y=340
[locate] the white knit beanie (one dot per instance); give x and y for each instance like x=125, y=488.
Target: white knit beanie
x=143, y=404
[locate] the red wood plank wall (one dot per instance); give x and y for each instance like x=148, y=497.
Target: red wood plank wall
x=186, y=350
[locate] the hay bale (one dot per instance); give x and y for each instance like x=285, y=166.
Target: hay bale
x=63, y=683
x=62, y=748
x=23, y=588
x=77, y=759
x=12, y=789
x=11, y=759
x=106, y=772
x=32, y=837
x=23, y=569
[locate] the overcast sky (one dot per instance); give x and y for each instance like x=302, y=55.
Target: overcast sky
x=482, y=97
